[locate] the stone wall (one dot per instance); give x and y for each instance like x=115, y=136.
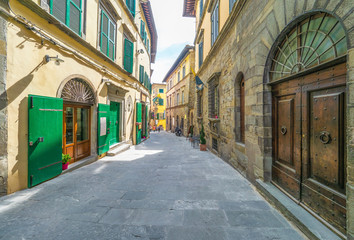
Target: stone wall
x=3, y=107
x=244, y=48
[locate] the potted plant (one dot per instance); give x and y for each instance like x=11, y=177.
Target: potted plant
x=202, y=145
x=64, y=159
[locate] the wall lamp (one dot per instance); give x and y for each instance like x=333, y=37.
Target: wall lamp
x=57, y=59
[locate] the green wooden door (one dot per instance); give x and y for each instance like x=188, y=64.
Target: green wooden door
x=114, y=123
x=139, y=122
x=103, y=130
x=45, y=134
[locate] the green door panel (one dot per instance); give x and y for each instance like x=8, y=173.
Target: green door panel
x=114, y=123
x=103, y=128
x=139, y=122
x=45, y=134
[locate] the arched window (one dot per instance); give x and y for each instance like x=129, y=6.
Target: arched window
x=78, y=90
x=316, y=40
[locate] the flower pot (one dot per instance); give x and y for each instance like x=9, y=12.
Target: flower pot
x=202, y=147
x=64, y=166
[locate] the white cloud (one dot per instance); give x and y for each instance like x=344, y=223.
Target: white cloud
x=172, y=30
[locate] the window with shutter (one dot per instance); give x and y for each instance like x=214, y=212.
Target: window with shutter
x=161, y=102
x=131, y=6
x=141, y=74
x=128, y=55
x=107, y=35
x=201, y=8
x=142, y=30
x=69, y=12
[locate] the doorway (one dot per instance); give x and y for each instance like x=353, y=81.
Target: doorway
x=309, y=142
x=76, y=131
x=114, y=123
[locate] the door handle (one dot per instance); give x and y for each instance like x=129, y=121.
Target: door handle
x=283, y=130
x=325, y=137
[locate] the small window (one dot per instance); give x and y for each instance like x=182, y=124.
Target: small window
x=201, y=8
x=128, y=55
x=214, y=144
x=199, y=103
x=182, y=97
x=69, y=12
x=183, y=71
x=160, y=90
x=215, y=23
x=178, y=76
x=131, y=6
x=200, y=54
x=213, y=86
x=177, y=99
x=242, y=109
x=231, y=4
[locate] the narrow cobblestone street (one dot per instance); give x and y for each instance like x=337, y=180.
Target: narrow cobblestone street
x=161, y=189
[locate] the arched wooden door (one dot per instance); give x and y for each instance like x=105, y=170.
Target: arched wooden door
x=309, y=103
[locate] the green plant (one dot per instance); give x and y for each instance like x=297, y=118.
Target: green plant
x=65, y=158
x=202, y=136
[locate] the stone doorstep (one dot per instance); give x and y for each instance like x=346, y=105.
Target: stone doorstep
x=81, y=163
x=307, y=223
x=119, y=149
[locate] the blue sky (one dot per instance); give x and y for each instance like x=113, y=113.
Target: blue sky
x=174, y=32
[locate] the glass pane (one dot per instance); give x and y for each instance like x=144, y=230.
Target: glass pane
x=337, y=33
x=327, y=55
x=75, y=16
x=104, y=23
x=69, y=122
x=111, y=50
x=111, y=31
x=341, y=47
x=104, y=43
x=82, y=124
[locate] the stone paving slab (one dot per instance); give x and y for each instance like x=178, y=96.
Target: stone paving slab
x=150, y=192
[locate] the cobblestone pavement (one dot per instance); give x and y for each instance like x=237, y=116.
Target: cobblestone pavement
x=161, y=189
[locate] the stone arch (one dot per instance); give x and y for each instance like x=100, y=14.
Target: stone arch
x=283, y=34
x=77, y=88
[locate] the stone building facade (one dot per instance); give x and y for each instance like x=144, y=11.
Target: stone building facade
x=74, y=79
x=179, y=82
x=158, y=106
x=258, y=104
x=3, y=105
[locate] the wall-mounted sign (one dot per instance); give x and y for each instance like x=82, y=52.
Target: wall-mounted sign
x=103, y=124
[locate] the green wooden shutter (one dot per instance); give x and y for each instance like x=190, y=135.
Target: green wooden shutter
x=141, y=73
x=147, y=121
x=69, y=12
x=128, y=55
x=138, y=121
x=45, y=134
x=142, y=29
x=131, y=6
x=107, y=36
x=102, y=128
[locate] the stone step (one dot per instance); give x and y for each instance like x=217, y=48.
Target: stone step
x=117, y=145
x=118, y=149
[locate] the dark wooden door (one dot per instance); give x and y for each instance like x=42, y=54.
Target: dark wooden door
x=309, y=142
x=323, y=128
x=286, y=168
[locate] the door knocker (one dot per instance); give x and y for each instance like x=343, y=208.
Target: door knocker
x=325, y=137
x=283, y=130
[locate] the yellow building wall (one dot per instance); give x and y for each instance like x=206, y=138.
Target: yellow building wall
x=161, y=109
x=27, y=73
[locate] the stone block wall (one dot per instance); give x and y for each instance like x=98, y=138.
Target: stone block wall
x=244, y=49
x=3, y=107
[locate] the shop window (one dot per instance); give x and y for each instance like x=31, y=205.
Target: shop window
x=128, y=55
x=69, y=12
x=107, y=34
x=215, y=23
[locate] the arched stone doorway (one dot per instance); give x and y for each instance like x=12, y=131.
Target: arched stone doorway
x=78, y=98
x=308, y=78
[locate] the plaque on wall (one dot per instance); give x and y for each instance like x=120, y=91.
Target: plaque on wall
x=103, y=126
